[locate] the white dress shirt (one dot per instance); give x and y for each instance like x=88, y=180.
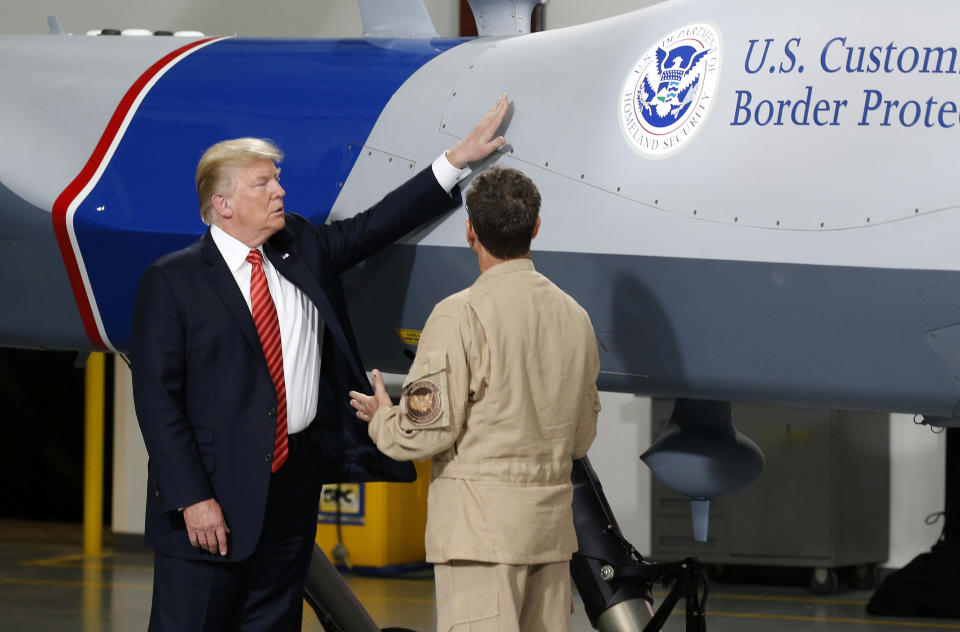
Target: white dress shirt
x=300, y=323
x=300, y=326
x=446, y=174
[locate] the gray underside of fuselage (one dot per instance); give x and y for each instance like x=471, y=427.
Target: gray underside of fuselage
x=840, y=337
x=37, y=307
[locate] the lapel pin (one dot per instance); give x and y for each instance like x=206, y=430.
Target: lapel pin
x=285, y=256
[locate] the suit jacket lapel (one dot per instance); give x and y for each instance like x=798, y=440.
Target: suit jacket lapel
x=288, y=263
x=226, y=287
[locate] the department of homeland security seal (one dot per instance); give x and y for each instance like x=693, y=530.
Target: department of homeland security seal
x=669, y=91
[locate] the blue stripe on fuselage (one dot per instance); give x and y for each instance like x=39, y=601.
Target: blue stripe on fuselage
x=317, y=99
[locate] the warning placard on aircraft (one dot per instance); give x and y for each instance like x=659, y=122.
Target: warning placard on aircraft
x=409, y=336
x=348, y=498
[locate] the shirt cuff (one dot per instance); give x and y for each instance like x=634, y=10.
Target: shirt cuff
x=446, y=174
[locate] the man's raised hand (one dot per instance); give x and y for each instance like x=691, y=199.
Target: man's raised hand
x=480, y=142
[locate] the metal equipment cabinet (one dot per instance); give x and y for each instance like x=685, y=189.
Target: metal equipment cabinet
x=823, y=500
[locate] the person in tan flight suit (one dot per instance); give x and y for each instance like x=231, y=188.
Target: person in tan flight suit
x=502, y=394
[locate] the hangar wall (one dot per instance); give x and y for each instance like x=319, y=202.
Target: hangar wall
x=293, y=18
x=917, y=456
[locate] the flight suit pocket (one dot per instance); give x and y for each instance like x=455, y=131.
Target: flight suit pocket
x=472, y=612
x=425, y=401
x=428, y=364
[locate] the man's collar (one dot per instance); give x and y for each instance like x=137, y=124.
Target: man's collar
x=233, y=250
x=510, y=265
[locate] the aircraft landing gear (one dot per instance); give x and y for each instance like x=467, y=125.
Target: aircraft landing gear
x=613, y=579
x=337, y=608
x=690, y=582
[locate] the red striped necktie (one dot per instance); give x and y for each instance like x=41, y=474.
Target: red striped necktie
x=268, y=328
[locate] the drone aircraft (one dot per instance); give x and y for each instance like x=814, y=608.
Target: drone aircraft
x=753, y=203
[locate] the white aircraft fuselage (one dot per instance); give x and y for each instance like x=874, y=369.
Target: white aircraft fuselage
x=753, y=201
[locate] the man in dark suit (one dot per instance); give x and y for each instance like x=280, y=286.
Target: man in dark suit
x=242, y=351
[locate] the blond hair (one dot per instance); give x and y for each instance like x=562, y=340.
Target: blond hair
x=216, y=168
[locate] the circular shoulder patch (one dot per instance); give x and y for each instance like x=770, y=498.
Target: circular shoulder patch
x=423, y=402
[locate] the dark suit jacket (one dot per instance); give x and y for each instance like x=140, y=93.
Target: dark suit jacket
x=204, y=398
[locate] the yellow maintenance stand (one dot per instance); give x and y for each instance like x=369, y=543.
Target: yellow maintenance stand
x=381, y=525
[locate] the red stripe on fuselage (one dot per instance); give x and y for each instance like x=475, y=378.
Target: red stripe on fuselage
x=60, y=207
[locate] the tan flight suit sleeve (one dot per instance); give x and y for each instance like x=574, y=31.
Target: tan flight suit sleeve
x=590, y=407
x=430, y=415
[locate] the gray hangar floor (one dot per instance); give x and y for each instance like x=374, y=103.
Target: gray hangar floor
x=46, y=585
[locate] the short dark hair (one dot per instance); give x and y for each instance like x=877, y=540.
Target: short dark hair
x=503, y=205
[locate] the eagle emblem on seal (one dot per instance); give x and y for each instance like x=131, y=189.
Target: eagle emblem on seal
x=670, y=86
